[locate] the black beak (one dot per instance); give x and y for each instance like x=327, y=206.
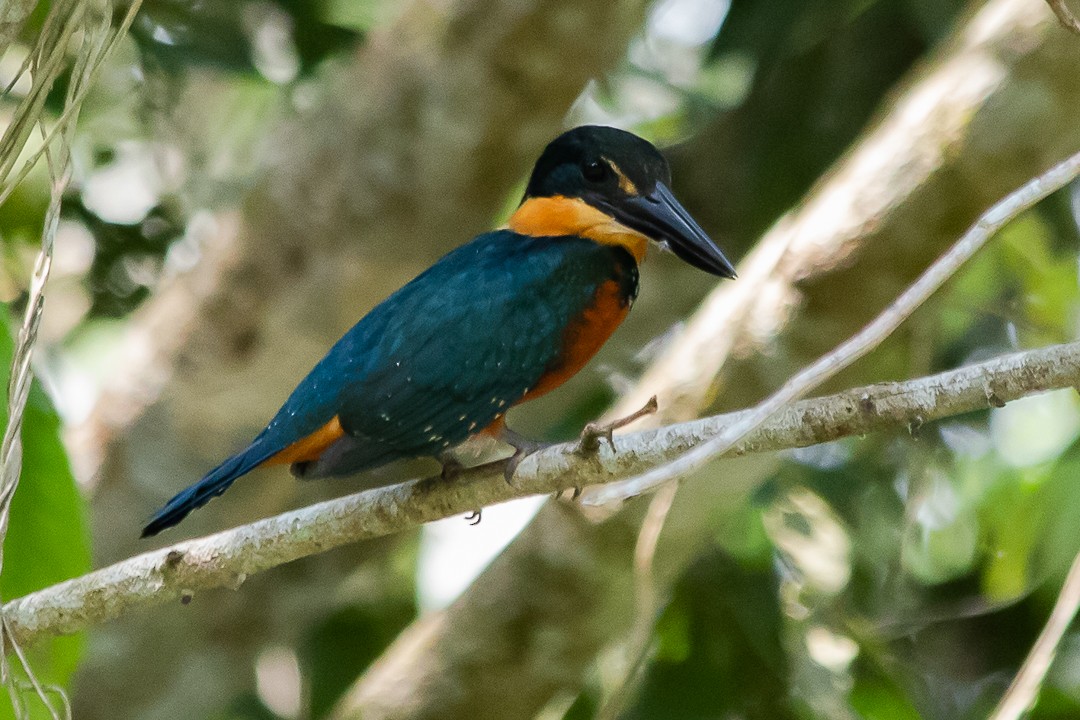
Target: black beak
x=660, y=217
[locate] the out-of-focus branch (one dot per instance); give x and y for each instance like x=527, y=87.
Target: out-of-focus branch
x=228, y=558
x=1024, y=688
x=956, y=137
x=647, y=603
x=1065, y=15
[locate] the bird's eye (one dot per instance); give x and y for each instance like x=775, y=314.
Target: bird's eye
x=595, y=171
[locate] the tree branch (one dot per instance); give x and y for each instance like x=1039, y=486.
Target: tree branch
x=1065, y=15
x=227, y=558
x=1024, y=689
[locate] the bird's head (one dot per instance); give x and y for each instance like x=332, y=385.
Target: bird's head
x=611, y=186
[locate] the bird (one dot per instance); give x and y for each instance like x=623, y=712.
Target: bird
x=498, y=321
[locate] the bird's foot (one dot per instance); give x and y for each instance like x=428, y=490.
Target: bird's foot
x=575, y=493
x=594, y=432
x=523, y=448
x=451, y=466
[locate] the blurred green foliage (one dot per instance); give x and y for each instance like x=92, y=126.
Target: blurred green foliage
x=179, y=35
x=346, y=643
x=718, y=646
x=114, y=289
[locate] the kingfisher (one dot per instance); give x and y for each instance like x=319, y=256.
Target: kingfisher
x=503, y=319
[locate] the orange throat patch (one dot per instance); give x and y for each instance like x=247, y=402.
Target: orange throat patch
x=560, y=216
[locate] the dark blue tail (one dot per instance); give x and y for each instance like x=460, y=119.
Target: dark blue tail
x=213, y=484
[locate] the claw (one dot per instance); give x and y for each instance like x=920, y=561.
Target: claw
x=523, y=448
x=451, y=468
x=575, y=493
x=594, y=432
x=473, y=518
x=512, y=466
x=588, y=444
